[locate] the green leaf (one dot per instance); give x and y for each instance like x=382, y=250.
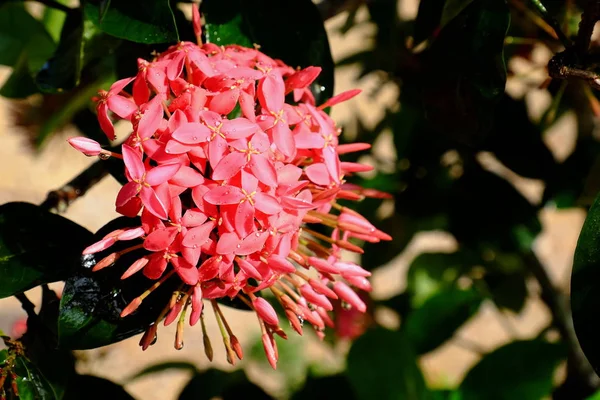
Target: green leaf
x=31, y=383
x=81, y=42
x=521, y=370
x=508, y=290
x=595, y=396
x=463, y=73
x=20, y=33
x=214, y=383
x=86, y=386
x=41, y=344
x=92, y=302
x=135, y=20
x=382, y=365
x=436, y=321
x=430, y=273
x=585, y=282
x=452, y=8
x=31, y=251
x=298, y=41
x=20, y=83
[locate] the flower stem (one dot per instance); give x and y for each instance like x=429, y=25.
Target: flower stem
x=59, y=200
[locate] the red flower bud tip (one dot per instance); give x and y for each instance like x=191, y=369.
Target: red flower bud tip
x=131, y=307
x=196, y=23
x=87, y=146
x=106, y=262
x=236, y=346
x=265, y=311
x=135, y=267
x=352, y=147
x=294, y=321
x=322, y=288
x=349, y=296
x=269, y=350
x=323, y=266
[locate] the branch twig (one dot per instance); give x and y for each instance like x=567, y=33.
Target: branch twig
x=59, y=200
x=558, y=304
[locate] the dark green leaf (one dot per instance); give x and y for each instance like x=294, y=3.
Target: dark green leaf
x=41, y=344
x=431, y=273
x=80, y=43
x=298, y=41
x=463, y=72
x=20, y=83
x=21, y=34
x=382, y=365
x=31, y=251
x=325, y=388
x=93, y=387
x=135, y=20
x=507, y=290
x=585, y=282
x=452, y=8
x=31, y=383
x=228, y=386
x=92, y=302
x=513, y=224
x=517, y=142
x=521, y=370
x=436, y=321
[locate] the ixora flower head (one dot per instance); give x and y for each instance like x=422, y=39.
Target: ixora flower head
x=229, y=179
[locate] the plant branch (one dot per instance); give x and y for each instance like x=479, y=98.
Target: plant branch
x=27, y=305
x=589, y=17
x=541, y=9
x=59, y=200
x=558, y=304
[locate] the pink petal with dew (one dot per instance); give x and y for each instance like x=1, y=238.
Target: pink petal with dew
x=153, y=203
x=263, y=169
x=193, y=218
x=228, y=243
x=239, y=128
x=133, y=162
x=252, y=243
x=191, y=133
x=271, y=91
x=197, y=236
x=283, y=138
x=244, y=218
x=161, y=174
x=127, y=192
x=160, y=239
x=121, y=106
x=224, y=195
x=151, y=117
x=186, y=271
x=230, y=165
x=187, y=177
x=266, y=203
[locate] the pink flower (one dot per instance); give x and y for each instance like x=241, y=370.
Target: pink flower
x=226, y=200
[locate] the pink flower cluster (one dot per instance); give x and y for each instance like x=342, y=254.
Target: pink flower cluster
x=228, y=176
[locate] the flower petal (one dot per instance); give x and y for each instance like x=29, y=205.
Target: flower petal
x=266, y=203
x=263, y=169
x=230, y=165
x=186, y=271
x=197, y=236
x=224, y=195
x=252, y=243
x=228, y=243
x=152, y=202
x=127, y=192
x=191, y=133
x=238, y=128
x=133, y=162
x=160, y=239
x=161, y=174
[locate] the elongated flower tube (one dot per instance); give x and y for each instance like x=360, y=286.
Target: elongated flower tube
x=230, y=176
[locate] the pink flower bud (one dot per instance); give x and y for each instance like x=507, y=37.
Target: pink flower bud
x=315, y=298
x=87, y=146
x=349, y=296
x=265, y=311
